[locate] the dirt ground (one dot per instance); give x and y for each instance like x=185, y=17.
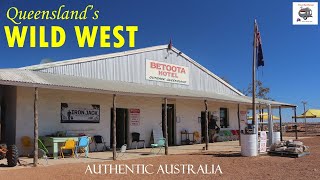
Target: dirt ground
x=232, y=165
x=300, y=134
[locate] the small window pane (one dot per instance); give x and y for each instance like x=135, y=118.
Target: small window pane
x=224, y=120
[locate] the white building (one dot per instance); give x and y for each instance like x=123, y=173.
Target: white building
x=141, y=79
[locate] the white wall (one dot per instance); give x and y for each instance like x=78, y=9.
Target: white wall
x=187, y=113
x=150, y=114
x=49, y=113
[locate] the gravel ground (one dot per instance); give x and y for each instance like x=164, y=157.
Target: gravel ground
x=300, y=134
x=232, y=165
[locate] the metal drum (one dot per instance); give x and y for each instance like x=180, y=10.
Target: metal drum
x=249, y=145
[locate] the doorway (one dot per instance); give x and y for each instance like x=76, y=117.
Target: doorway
x=2, y=123
x=203, y=124
x=170, y=123
x=8, y=100
x=122, y=127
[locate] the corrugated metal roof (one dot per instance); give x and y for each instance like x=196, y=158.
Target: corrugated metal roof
x=126, y=53
x=20, y=77
x=93, y=58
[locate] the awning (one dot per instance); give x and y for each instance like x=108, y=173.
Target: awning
x=28, y=78
x=311, y=113
x=265, y=117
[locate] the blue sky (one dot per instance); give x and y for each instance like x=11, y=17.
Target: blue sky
x=217, y=34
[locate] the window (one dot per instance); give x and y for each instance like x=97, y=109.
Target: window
x=224, y=119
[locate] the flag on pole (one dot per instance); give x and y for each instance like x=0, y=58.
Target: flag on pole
x=259, y=47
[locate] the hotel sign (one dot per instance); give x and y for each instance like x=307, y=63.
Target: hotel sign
x=165, y=72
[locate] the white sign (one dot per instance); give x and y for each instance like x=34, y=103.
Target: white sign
x=243, y=116
x=305, y=13
x=80, y=113
x=165, y=72
x=263, y=146
x=134, y=117
x=243, y=120
x=263, y=135
x=263, y=141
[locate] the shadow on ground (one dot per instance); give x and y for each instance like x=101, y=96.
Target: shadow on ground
x=218, y=154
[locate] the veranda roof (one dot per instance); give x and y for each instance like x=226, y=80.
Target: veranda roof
x=28, y=78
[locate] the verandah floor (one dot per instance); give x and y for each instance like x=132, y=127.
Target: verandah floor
x=229, y=146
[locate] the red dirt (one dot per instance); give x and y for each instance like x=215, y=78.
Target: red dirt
x=232, y=167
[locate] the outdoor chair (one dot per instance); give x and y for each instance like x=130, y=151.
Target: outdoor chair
x=197, y=137
x=68, y=145
x=221, y=137
x=136, y=138
x=97, y=139
x=26, y=142
x=235, y=134
x=228, y=135
x=160, y=144
x=82, y=146
x=238, y=132
x=122, y=151
x=43, y=149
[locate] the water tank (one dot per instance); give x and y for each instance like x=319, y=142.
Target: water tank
x=276, y=137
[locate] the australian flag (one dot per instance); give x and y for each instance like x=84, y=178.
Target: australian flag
x=259, y=47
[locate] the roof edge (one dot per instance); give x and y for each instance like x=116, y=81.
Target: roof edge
x=28, y=78
x=207, y=71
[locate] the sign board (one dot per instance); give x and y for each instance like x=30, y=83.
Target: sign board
x=134, y=117
x=80, y=113
x=263, y=141
x=243, y=116
x=263, y=135
x=263, y=146
x=165, y=72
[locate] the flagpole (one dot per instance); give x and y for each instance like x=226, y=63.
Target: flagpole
x=254, y=121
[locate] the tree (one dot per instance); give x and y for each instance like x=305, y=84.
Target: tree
x=261, y=91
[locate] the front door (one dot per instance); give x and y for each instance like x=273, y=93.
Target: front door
x=203, y=124
x=170, y=123
x=121, y=127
